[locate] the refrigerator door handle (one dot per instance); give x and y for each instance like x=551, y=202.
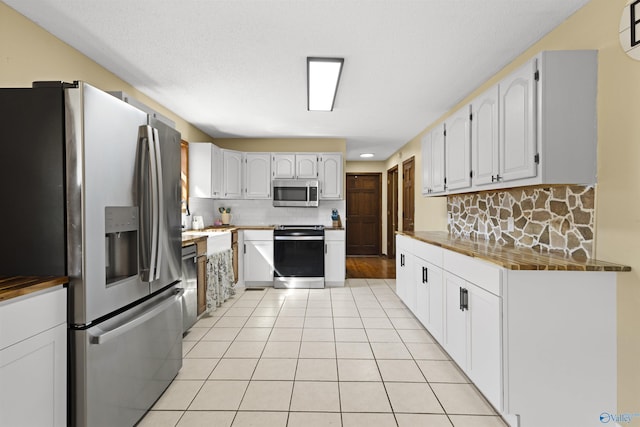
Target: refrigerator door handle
x=148, y=200
x=106, y=336
x=160, y=202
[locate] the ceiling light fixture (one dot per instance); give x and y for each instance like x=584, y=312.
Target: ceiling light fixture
x=323, y=76
x=366, y=155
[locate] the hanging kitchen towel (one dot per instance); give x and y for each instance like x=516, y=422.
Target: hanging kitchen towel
x=220, y=279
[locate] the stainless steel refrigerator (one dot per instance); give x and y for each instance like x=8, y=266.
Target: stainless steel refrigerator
x=91, y=190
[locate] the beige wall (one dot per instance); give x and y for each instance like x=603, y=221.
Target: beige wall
x=618, y=191
x=28, y=53
x=315, y=145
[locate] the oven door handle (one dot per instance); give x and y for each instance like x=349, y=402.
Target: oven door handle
x=298, y=238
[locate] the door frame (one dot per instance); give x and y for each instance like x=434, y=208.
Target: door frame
x=412, y=161
x=392, y=210
x=375, y=174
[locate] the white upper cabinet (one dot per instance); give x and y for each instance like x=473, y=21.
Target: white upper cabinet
x=458, y=151
x=484, y=137
x=537, y=126
x=205, y=170
x=425, y=144
x=433, y=162
x=291, y=165
x=330, y=175
x=307, y=166
x=257, y=175
x=518, y=146
x=284, y=165
x=231, y=174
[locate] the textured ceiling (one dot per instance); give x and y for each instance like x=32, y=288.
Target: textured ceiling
x=237, y=68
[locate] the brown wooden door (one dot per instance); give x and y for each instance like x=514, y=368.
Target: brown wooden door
x=392, y=210
x=408, y=194
x=363, y=214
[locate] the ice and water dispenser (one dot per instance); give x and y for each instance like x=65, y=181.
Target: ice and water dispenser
x=121, y=242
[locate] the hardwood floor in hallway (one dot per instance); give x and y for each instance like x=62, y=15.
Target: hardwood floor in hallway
x=371, y=267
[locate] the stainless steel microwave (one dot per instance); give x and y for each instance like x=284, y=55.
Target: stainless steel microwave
x=295, y=193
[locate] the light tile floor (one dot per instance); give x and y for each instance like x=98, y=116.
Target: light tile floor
x=351, y=357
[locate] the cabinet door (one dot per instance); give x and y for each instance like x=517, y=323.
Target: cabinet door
x=334, y=261
x=258, y=261
x=455, y=326
x=518, y=124
x=422, y=291
x=307, y=166
x=216, y=172
x=257, y=175
x=284, y=166
x=33, y=378
x=485, y=343
x=404, y=269
x=427, y=181
x=437, y=161
x=435, y=302
x=232, y=174
x=484, y=137
x=201, y=284
x=330, y=176
x=200, y=169
x=458, y=151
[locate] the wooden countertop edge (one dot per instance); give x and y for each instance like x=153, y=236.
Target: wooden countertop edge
x=12, y=287
x=552, y=262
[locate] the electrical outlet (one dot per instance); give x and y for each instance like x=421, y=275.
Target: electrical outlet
x=510, y=225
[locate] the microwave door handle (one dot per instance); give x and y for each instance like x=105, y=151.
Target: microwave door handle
x=160, y=210
x=308, y=194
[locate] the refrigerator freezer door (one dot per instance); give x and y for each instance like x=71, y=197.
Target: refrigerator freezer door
x=124, y=364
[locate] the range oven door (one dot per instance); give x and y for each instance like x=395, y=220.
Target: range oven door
x=298, y=261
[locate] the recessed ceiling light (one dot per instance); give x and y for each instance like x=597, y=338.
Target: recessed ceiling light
x=323, y=76
x=366, y=155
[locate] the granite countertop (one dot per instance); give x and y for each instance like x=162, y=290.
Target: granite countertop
x=511, y=257
x=15, y=286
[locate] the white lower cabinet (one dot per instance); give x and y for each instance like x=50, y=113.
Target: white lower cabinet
x=405, y=284
x=258, y=257
x=473, y=334
x=334, y=257
x=429, y=297
x=33, y=360
x=456, y=323
x=525, y=338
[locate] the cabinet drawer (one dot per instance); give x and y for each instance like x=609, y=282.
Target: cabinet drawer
x=334, y=235
x=429, y=253
x=473, y=270
x=258, y=234
x=26, y=316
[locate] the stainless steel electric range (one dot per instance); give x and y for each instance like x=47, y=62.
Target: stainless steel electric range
x=298, y=252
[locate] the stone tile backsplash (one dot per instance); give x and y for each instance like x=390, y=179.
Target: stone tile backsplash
x=545, y=218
